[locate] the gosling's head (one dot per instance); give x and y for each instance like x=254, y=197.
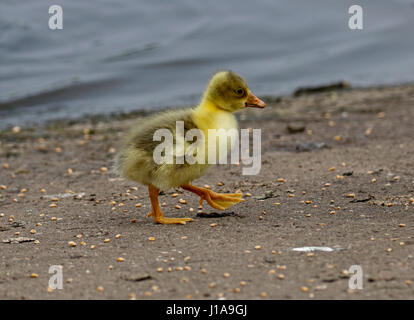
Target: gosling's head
x=229, y=91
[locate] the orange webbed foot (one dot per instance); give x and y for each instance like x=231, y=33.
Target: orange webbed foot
x=157, y=213
x=218, y=201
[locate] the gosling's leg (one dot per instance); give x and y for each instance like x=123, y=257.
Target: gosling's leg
x=216, y=200
x=156, y=210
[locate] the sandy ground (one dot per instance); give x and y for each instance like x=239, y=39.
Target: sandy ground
x=357, y=141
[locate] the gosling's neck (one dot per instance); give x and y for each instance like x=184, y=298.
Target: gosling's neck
x=207, y=115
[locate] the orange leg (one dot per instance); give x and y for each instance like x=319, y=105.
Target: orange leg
x=216, y=200
x=156, y=210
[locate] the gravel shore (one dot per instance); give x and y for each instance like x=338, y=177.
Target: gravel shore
x=337, y=172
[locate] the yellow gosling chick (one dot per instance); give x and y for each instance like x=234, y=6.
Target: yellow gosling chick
x=226, y=93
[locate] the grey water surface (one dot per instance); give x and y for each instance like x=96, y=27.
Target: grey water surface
x=125, y=55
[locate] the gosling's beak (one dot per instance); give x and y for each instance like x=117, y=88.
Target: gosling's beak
x=254, y=102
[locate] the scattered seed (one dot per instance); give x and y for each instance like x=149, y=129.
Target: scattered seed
x=226, y=275
x=72, y=243
x=258, y=247
x=281, y=276
x=34, y=275
x=104, y=169
x=304, y=289
x=120, y=259
x=263, y=294
x=213, y=225
x=182, y=201
x=212, y=285
x=160, y=269
x=118, y=236
x=53, y=218
x=100, y=288
x=272, y=271
x=175, y=195
x=151, y=239
x=401, y=225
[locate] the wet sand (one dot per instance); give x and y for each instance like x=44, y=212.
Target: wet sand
x=336, y=172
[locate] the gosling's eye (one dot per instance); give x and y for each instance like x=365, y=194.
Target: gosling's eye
x=239, y=91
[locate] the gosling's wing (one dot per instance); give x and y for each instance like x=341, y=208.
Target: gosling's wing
x=142, y=134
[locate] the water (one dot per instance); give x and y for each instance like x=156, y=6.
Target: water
x=115, y=56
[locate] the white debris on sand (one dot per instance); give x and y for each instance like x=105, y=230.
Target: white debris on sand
x=310, y=249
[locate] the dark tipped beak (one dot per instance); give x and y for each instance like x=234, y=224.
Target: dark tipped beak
x=254, y=102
